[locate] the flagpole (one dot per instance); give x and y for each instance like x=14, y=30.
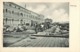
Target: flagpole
x=25, y=5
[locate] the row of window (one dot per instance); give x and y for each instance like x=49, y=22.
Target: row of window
x=12, y=12
x=8, y=19
x=16, y=6
x=20, y=14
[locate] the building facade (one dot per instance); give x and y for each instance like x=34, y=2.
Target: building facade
x=14, y=14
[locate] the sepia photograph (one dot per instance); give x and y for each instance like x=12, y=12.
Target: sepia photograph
x=36, y=24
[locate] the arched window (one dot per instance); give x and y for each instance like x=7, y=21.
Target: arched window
x=6, y=10
x=12, y=19
x=21, y=21
x=6, y=20
x=21, y=14
x=3, y=10
x=19, y=8
x=9, y=4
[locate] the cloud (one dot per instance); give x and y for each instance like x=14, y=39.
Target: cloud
x=36, y=8
x=55, y=11
x=59, y=15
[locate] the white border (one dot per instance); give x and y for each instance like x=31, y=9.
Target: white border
x=74, y=29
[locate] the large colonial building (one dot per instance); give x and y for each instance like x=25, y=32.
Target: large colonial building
x=14, y=14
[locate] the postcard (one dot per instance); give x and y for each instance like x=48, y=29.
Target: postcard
x=37, y=26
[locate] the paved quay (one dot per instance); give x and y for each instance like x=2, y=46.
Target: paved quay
x=42, y=42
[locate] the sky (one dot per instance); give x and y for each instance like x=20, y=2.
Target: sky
x=58, y=12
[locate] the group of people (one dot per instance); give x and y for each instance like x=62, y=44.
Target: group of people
x=41, y=27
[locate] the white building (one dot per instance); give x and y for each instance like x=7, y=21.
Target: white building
x=14, y=14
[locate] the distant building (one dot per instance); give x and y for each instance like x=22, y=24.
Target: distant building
x=48, y=20
x=14, y=14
